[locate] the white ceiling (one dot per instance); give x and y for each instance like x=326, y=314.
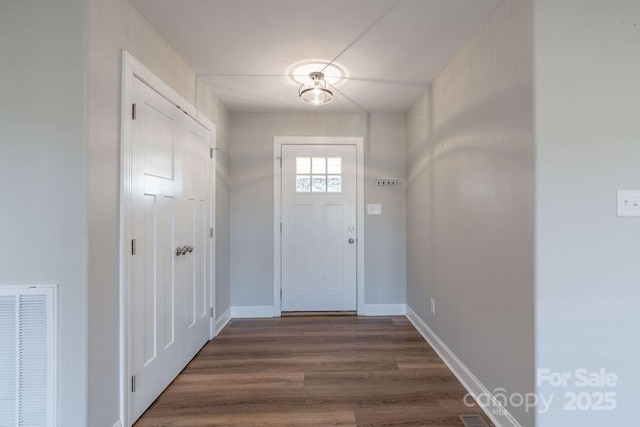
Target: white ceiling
x=244, y=50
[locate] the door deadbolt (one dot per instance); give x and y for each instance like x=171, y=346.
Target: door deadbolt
x=351, y=240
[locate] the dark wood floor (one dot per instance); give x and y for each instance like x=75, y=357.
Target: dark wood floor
x=313, y=371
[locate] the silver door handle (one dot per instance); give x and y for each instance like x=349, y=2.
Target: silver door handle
x=190, y=249
x=180, y=251
x=351, y=240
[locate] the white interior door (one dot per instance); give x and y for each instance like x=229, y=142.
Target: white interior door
x=319, y=244
x=154, y=301
x=170, y=288
x=195, y=233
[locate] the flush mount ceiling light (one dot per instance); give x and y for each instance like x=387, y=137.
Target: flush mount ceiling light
x=315, y=93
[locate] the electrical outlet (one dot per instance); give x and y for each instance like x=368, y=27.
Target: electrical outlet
x=628, y=203
x=433, y=306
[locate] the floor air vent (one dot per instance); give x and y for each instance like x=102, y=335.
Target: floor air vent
x=472, y=420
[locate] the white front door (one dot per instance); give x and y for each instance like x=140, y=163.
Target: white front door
x=319, y=244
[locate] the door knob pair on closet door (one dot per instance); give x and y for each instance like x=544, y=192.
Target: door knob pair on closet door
x=183, y=250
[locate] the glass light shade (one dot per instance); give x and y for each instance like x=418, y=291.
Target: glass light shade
x=315, y=93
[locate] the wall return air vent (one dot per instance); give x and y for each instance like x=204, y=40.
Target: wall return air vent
x=27, y=358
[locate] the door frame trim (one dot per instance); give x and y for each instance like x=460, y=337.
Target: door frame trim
x=132, y=69
x=278, y=142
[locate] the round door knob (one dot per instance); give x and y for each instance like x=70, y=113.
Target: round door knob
x=190, y=249
x=351, y=240
x=178, y=251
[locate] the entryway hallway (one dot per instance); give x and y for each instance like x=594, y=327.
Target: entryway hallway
x=313, y=371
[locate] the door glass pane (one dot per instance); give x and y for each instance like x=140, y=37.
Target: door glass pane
x=319, y=184
x=334, y=165
x=334, y=184
x=303, y=165
x=303, y=183
x=319, y=165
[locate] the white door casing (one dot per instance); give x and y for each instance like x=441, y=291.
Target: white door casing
x=280, y=144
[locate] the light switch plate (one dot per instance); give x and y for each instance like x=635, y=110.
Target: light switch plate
x=374, y=209
x=628, y=202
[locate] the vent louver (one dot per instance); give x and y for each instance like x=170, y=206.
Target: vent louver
x=26, y=356
x=472, y=420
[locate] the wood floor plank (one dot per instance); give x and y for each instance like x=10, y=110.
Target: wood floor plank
x=307, y=364
x=408, y=416
x=276, y=419
x=313, y=371
x=356, y=349
x=194, y=382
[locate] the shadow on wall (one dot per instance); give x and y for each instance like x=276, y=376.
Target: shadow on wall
x=473, y=129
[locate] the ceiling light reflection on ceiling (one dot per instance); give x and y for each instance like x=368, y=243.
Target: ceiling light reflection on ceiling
x=315, y=92
x=333, y=73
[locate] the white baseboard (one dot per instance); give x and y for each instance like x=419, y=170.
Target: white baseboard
x=248, y=312
x=495, y=411
x=222, y=321
x=383, y=310
x=118, y=424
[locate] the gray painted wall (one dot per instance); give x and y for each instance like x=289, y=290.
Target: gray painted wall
x=218, y=113
x=252, y=200
x=587, y=73
x=42, y=170
x=470, y=203
x=115, y=25
x=385, y=249
x=223, y=212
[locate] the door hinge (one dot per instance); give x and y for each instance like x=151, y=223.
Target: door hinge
x=280, y=294
x=211, y=232
x=280, y=158
x=211, y=312
x=133, y=111
x=133, y=384
x=211, y=152
x=133, y=246
x=280, y=227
